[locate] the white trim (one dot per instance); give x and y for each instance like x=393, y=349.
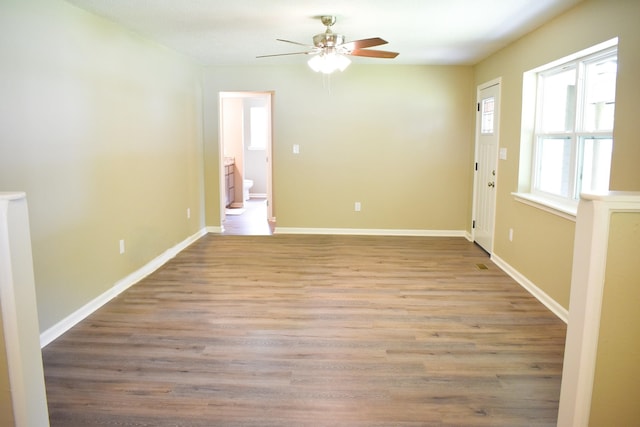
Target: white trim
x=372, y=232
x=20, y=314
x=8, y=310
x=587, y=288
x=12, y=195
x=486, y=85
x=539, y=294
x=269, y=97
x=563, y=210
x=214, y=229
x=83, y=312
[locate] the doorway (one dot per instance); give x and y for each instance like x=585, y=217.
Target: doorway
x=486, y=164
x=246, y=199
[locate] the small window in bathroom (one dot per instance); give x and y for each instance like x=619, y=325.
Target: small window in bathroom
x=258, y=128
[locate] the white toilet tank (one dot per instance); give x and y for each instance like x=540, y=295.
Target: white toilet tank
x=246, y=186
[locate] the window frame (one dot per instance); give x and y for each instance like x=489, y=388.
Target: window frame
x=529, y=187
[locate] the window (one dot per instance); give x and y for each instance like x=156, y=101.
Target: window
x=487, y=116
x=573, y=134
x=258, y=128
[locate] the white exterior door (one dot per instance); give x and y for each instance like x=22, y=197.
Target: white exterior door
x=487, y=125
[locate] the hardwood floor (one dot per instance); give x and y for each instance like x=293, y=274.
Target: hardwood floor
x=291, y=330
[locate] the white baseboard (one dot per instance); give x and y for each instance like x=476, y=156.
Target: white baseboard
x=538, y=293
x=83, y=312
x=214, y=229
x=371, y=232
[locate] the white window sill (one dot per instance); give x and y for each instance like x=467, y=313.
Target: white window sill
x=564, y=210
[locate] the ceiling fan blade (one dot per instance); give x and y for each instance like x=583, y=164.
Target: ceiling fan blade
x=292, y=42
x=285, y=54
x=361, y=44
x=371, y=53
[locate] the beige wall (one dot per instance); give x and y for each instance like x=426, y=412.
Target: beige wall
x=398, y=139
x=103, y=131
x=543, y=243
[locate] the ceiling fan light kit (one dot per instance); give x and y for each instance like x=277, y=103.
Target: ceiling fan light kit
x=329, y=62
x=330, y=51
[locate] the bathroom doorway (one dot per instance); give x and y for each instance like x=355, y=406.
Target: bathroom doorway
x=245, y=125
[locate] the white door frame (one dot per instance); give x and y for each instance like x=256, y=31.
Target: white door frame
x=269, y=149
x=476, y=180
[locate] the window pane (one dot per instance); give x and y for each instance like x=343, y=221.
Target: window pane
x=554, y=166
x=600, y=88
x=558, y=101
x=487, y=115
x=595, y=165
x=259, y=129
x=574, y=123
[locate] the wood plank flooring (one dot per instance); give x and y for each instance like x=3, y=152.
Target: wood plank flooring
x=313, y=330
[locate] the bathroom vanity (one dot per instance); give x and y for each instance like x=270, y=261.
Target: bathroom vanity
x=229, y=193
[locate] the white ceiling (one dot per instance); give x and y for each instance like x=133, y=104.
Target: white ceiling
x=220, y=32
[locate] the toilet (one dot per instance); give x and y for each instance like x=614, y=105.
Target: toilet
x=246, y=185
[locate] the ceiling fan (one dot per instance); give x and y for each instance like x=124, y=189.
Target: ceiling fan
x=330, y=51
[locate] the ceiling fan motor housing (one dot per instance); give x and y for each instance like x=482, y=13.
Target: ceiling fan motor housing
x=328, y=39
x=328, y=20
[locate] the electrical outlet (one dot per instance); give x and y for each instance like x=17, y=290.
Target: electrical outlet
x=188, y=213
x=511, y=234
x=296, y=149
x=357, y=207
x=121, y=247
